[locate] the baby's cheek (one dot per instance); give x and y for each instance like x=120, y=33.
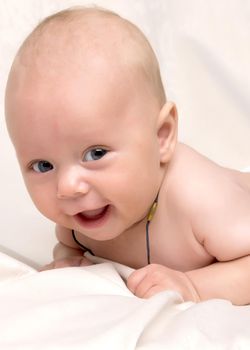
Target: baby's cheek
x=48, y=206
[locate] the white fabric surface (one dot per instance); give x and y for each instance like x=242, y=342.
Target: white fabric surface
x=91, y=308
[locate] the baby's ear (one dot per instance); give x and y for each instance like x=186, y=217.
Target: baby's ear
x=167, y=131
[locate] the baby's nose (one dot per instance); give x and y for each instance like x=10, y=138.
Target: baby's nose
x=71, y=183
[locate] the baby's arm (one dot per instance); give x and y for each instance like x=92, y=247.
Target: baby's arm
x=227, y=280
x=224, y=280
x=224, y=229
x=155, y=278
x=66, y=253
x=222, y=226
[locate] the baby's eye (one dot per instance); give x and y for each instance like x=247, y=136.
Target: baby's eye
x=42, y=166
x=94, y=154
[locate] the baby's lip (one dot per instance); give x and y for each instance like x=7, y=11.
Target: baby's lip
x=93, y=214
x=94, y=218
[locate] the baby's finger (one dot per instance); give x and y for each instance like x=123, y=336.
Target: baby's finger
x=139, y=282
x=85, y=262
x=135, y=278
x=72, y=261
x=148, y=286
x=152, y=291
x=50, y=266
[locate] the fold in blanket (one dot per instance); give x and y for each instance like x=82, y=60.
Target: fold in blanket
x=91, y=308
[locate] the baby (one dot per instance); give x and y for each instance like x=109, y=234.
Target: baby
x=96, y=140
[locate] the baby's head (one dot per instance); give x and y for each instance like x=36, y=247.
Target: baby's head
x=89, y=38
x=88, y=117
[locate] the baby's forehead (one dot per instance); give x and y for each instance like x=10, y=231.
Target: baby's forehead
x=73, y=42
x=62, y=40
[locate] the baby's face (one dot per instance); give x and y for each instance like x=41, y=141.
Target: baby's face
x=87, y=144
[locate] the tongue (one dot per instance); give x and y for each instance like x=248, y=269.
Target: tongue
x=93, y=214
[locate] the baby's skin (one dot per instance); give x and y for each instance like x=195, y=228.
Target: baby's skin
x=199, y=235
x=96, y=140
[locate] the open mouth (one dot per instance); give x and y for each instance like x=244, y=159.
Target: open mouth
x=92, y=218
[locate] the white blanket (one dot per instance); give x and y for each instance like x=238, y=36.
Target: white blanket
x=91, y=308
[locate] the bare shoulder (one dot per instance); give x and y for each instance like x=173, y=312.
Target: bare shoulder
x=216, y=201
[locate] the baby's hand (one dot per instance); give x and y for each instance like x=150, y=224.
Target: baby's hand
x=154, y=278
x=67, y=262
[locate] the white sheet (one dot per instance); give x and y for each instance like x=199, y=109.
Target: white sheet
x=91, y=308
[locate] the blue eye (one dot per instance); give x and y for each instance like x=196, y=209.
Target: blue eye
x=42, y=166
x=94, y=154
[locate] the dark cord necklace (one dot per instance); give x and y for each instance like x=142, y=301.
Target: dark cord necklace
x=80, y=244
x=149, y=219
